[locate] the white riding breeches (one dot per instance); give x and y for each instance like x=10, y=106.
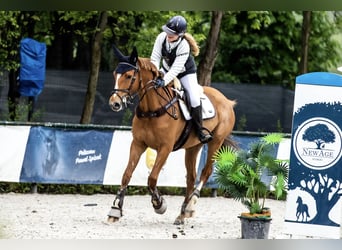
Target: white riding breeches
x=189, y=82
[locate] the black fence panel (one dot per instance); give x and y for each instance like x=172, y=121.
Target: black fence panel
x=262, y=108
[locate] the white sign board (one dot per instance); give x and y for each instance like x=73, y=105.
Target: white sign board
x=314, y=203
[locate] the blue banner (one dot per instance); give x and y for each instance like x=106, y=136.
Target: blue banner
x=65, y=156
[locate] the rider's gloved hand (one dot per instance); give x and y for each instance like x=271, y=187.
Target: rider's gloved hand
x=159, y=82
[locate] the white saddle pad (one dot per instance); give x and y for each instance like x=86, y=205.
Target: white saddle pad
x=208, y=110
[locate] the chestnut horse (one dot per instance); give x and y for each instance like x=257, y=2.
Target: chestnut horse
x=158, y=123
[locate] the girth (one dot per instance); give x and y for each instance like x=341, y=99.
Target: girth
x=184, y=136
x=161, y=111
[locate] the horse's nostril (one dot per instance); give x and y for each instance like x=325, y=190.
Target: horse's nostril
x=116, y=106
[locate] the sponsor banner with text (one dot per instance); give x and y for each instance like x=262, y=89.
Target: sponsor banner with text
x=65, y=156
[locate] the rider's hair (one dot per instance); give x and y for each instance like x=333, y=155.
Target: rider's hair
x=193, y=44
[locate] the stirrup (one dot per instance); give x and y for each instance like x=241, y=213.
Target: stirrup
x=205, y=138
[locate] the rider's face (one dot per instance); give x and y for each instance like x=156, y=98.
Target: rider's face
x=172, y=38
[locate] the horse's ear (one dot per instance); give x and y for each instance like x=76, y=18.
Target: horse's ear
x=134, y=56
x=118, y=54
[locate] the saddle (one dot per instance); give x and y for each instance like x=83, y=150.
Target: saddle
x=208, y=110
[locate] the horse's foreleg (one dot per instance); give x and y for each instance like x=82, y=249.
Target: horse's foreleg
x=115, y=212
x=158, y=202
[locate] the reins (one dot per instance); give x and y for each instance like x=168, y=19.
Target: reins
x=171, y=100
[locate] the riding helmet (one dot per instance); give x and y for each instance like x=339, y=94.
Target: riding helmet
x=175, y=26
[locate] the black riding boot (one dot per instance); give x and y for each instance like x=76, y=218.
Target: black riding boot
x=196, y=114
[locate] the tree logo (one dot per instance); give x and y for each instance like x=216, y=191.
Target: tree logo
x=317, y=143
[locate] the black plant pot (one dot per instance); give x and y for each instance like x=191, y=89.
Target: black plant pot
x=254, y=228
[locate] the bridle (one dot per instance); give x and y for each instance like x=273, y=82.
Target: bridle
x=128, y=97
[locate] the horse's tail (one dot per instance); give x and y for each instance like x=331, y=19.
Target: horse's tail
x=229, y=142
x=307, y=211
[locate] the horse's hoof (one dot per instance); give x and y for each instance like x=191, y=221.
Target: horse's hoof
x=179, y=220
x=115, y=213
x=162, y=208
x=111, y=219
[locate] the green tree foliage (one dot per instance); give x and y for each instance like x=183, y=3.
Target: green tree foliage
x=16, y=25
x=140, y=29
x=255, y=46
x=264, y=47
x=9, y=32
x=324, y=49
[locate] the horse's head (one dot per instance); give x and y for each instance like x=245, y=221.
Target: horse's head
x=126, y=83
x=299, y=200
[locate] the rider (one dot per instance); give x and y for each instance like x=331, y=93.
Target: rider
x=174, y=47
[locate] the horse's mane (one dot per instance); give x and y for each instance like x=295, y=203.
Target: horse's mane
x=145, y=63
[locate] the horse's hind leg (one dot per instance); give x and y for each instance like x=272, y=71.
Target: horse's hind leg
x=192, y=194
x=116, y=210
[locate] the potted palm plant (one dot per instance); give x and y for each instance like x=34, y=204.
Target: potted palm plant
x=238, y=173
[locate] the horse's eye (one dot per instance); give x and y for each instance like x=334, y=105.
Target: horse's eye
x=128, y=76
